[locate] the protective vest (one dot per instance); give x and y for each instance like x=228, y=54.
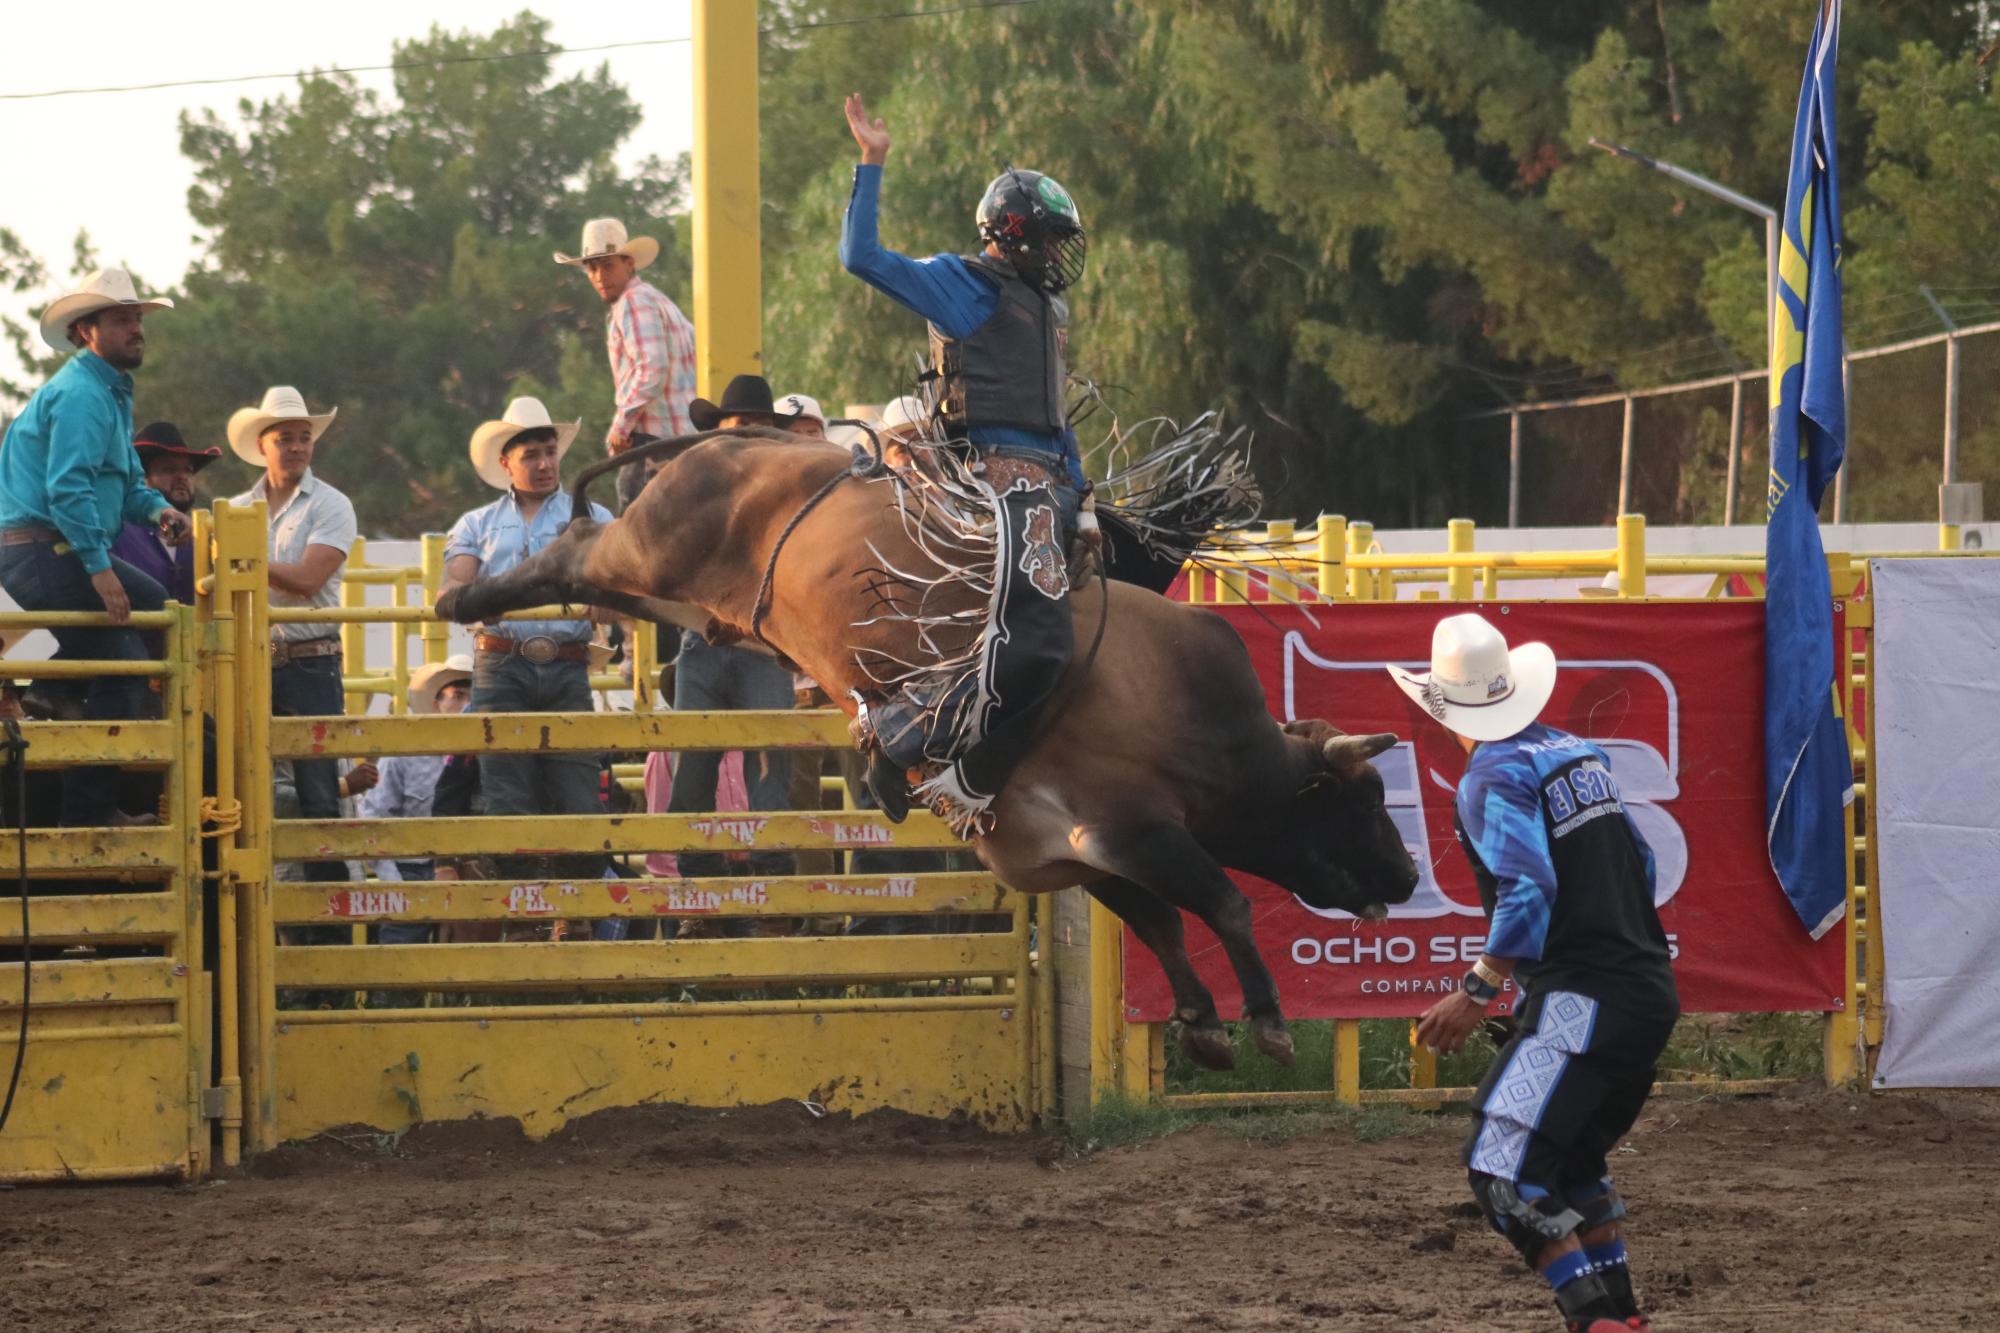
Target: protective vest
x=1008, y=371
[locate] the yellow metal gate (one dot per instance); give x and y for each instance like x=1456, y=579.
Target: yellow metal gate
x=119, y=1004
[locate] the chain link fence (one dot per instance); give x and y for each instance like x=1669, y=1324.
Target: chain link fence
x=1665, y=452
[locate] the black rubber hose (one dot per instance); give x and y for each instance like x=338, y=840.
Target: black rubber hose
x=17, y=760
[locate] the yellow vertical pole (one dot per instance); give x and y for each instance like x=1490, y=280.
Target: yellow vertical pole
x=354, y=638
x=182, y=709
x=399, y=649
x=1458, y=541
x=1233, y=587
x=1360, y=582
x=1423, y=1062
x=1841, y=1057
x=728, y=283
x=1107, y=1003
x=1331, y=531
x=218, y=608
x=1876, y=968
x=1047, y=1036
x=1951, y=537
x=1631, y=555
x=435, y=634
x=1347, y=1061
x=1280, y=537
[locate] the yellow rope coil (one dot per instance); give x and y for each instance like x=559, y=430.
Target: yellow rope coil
x=220, y=818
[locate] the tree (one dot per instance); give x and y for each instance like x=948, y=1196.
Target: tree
x=1350, y=224
x=392, y=256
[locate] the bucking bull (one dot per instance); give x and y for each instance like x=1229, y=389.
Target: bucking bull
x=1156, y=768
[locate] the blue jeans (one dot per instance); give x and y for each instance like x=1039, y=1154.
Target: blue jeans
x=710, y=678
x=409, y=932
x=537, y=784
x=310, y=687
x=40, y=580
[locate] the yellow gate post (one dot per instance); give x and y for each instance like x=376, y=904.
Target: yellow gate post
x=728, y=282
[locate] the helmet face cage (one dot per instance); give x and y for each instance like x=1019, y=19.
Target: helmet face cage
x=1034, y=223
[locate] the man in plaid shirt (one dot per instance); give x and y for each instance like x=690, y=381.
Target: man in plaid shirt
x=650, y=342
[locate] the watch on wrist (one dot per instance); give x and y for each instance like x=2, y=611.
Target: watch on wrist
x=1478, y=989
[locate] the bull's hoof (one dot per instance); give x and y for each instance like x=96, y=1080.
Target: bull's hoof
x=1208, y=1047
x=1275, y=1041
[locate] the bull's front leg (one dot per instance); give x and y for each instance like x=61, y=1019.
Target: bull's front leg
x=1166, y=859
x=553, y=574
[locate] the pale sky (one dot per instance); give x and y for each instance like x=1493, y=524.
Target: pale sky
x=111, y=162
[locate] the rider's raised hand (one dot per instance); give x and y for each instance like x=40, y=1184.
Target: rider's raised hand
x=872, y=135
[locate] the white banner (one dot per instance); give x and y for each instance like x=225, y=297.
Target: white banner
x=1936, y=774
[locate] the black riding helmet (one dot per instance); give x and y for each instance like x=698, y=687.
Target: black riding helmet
x=1035, y=223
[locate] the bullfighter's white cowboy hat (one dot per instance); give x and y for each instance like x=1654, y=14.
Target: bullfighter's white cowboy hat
x=490, y=440
x=281, y=403
x=606, y=236
x=101, y=290
x=1476, y=686
x=428, y=681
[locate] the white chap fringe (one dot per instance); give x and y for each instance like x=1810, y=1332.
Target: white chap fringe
x=1174, y=489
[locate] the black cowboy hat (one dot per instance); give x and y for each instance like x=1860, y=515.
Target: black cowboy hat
x=164, y=437
x=747, y=395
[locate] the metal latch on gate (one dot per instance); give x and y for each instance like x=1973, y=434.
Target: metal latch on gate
x=214, y=1103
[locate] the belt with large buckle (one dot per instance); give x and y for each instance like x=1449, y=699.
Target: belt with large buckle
x=28, y=536
x=284, y=651
x=539, y=649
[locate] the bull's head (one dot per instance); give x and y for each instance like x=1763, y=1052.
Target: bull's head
x=1339, y=847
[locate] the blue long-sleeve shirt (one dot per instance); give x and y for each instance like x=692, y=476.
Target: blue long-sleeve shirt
x=945, y=290
x=68, y=463
x=1562, y=870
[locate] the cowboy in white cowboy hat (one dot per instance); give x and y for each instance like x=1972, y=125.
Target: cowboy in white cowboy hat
x=406, y=783
x=312, y=530
x=649, y=340
x=69, y=481
x=1567, y=884
x=526, y=666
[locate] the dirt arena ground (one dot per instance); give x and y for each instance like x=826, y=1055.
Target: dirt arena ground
x=1803, y=1210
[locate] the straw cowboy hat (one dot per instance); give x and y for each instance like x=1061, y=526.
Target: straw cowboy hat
x=490, y=440
x=904, y=412
x=1476, y=686
x=428, y=681
x=164, y=439
x=101, y=290
x=281, y=403
x=606, y=236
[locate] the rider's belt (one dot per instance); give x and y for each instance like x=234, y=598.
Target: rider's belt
x=28, y=536
x=292, y=650
x=1005, y=473
x=541, y=649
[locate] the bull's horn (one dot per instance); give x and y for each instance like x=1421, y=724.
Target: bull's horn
x=1346, y=751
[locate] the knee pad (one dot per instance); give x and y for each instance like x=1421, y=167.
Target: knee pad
x=1599, y=1205
x=1530, y=1224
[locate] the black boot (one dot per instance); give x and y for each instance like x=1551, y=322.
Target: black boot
x=889, y=785
x=1586, y=1306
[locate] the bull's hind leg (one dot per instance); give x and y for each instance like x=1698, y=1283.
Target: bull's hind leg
x=1165, y=859
x=1158, y=927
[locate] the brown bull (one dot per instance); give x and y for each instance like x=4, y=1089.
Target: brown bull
x=1158, y=764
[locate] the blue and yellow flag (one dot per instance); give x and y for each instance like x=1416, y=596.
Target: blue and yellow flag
x=1808, y=775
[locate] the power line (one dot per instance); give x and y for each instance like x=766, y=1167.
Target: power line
x=507, y=55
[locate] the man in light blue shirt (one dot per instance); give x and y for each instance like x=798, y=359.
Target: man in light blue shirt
x=69, y=481
x=527, y=666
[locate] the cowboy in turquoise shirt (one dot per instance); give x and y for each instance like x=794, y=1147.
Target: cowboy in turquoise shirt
x=69, y=463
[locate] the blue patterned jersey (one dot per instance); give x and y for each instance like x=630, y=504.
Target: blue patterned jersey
x=1563, y=874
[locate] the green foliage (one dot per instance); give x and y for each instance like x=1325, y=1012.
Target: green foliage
x=1346, y=224
x=1118, y=1122
x=391, y=256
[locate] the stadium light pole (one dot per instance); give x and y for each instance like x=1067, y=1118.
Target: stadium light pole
x=1748, y=205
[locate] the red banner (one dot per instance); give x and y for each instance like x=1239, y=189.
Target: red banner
x=1670, y=691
